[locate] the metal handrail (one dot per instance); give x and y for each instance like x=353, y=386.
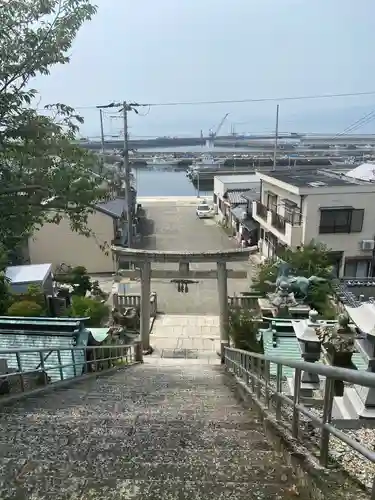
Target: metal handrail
x=254, y=370
x=353, y=376
x=91, y=359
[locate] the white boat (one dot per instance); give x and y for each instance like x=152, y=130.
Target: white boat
x=162, y=160
x=207, y=160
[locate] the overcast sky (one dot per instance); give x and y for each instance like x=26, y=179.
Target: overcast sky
x=190, y=50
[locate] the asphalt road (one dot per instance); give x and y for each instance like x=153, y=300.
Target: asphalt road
x=173, y=225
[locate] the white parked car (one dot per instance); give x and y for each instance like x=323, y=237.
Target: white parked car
x=204, y=211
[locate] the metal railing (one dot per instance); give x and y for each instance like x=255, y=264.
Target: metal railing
x=278, y=221
x=267, y=391
x=25, y=370
x=262, y=210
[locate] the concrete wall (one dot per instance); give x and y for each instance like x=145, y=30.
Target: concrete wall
x=58, y=244
x=348, y=243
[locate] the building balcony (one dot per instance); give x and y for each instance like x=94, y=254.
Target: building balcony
x=261, y=210
x=287, y=229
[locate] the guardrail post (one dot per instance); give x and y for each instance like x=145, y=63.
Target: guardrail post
x=267, y=379
x=279, y=389
x=258, y=371
x=247, y=368
x=138, y=352
x=60, y=363
x=327, y=415
x=252, y=371
x=19, y=364
x=74, y=362
x=42, y=367
x=223, y=345
x=296, y=397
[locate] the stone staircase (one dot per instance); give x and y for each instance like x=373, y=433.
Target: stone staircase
x=164, y=430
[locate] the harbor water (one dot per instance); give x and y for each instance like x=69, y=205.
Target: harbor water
x=165, y=182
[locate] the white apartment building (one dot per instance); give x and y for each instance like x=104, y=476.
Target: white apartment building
x=297, y=207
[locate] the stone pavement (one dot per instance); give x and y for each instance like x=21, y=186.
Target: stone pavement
x=173, y=225
x=170, y=431
x=198, y=334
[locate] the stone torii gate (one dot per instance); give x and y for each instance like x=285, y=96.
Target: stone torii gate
x=143, y=259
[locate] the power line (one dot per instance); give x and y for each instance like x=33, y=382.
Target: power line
x=367, y=118
x=231, y=101
x=263, y=99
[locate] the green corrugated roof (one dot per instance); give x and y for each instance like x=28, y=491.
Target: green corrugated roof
x=45, y=321
x=31, y=360
x=287, y=347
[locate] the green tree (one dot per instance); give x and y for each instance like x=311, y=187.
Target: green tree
x=310, y=260
x=45, y=175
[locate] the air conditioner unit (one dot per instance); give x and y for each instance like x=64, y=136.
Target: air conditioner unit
x=367, y=244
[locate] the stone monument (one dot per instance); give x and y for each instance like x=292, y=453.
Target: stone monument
x=358, y=402
x=310, y=346
x=290, y=293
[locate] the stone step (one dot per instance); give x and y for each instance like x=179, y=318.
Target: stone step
x=198, y=466
x=173, y=432
x=46, y=487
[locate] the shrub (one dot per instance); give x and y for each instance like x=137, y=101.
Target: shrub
x=243, y=330
x=25, y=308
x=85, y=306
x=33, y=294
x=78, y=279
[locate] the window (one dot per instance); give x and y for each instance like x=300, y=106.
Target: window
x=357, y=268
x=203, y=208
x=272, y=202
x=348, y=220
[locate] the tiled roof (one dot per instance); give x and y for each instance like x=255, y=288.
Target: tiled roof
x=234, y=197
x=114, y=208
x=251, y=194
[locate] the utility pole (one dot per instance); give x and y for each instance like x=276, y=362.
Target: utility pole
x=127, y=171
x=127, y=175
x=276, y=137
x=101, y=129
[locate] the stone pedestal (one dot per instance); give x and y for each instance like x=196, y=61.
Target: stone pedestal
x=308, y=385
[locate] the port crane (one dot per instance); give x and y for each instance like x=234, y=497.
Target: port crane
x=212, y=134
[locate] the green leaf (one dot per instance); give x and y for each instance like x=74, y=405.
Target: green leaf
x=44, y=174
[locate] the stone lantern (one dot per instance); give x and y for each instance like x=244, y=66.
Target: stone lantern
x=310, y=346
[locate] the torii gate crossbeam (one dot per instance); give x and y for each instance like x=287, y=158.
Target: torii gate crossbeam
x=144, y=258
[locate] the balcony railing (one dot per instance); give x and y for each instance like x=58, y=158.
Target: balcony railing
x=262, y=210
x=293, y=218
x=278, y=222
